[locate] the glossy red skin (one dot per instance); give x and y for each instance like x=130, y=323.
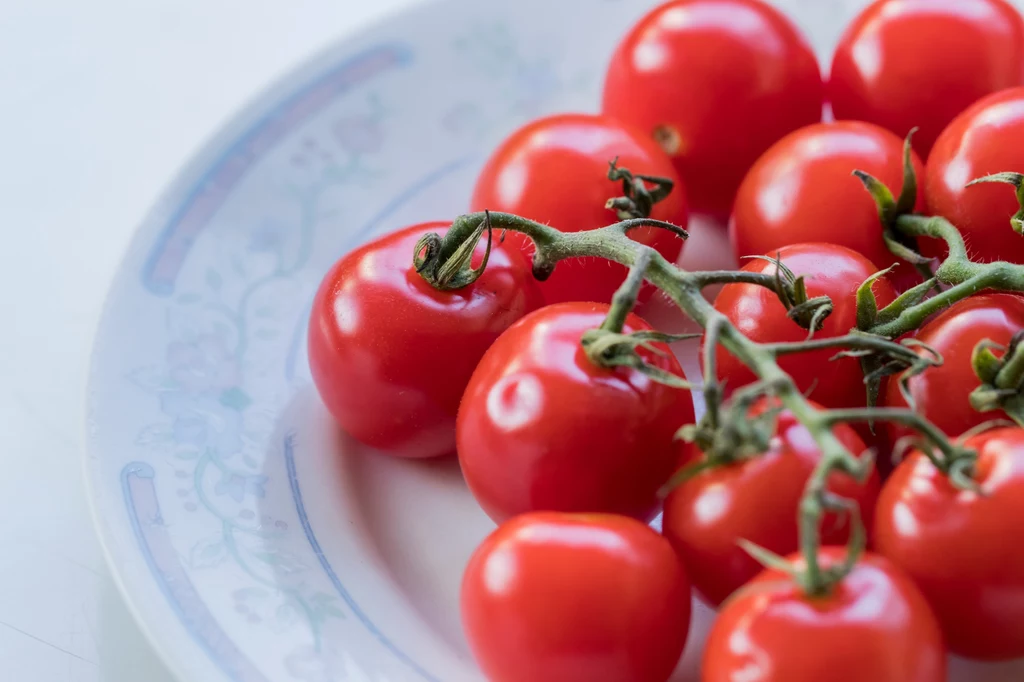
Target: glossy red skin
x=942, y=393
x=543, y=428
x=756, y=499
x=390, y=355
x=963, y=549
x=729, y=76
x=803, y=190
x=829, y=270
x=555, y=170
x=981, y=141
x=874, y=626
x=906, y=63
x=552, y=597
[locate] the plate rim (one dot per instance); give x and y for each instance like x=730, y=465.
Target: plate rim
x=208, y=151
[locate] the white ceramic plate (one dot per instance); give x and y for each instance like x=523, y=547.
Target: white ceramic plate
x=252, y=544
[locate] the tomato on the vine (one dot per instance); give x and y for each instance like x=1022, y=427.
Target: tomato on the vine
x=961, y=547
x=716, y=82
x=942, y=394
x=907, y=63
x=874, y=625
x=757, y=312
x=803, y=190
x=983, y=140
x=555, y=170
x=391, y=355
x=542, y=427
x=551, y=597
x=756, y=499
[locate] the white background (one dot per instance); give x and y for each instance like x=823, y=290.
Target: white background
x=101, y=101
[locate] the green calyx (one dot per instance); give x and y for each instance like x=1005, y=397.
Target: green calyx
x=446, y=262
x=809, y=313
x=891, y=208
x=611, y=350
x=729, y=434
x=1002, y=378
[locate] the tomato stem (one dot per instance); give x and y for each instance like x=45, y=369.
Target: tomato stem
x=726, y=429
x=624, y=299
x=637, y=201
x=712, y=388
x=684, y=289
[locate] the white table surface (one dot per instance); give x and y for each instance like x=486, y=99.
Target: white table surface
x=101, y=101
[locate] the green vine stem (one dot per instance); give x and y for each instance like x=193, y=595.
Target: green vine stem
x=636, y=201
x=608, y=346
x=874, y=339
x=964, y=276
x=684, y=289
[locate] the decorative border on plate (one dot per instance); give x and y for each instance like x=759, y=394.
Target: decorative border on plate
x=174, y=243
x=144, y=513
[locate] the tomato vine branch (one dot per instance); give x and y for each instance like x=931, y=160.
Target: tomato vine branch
x=445, y=258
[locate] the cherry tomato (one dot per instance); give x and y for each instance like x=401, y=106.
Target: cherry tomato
x=981, y=141
x=962, y=548
x=942, y=393
x=906, y=63
x=755, y=499
x=716, y=82
x=555, y=171
x=829, y=270
x=803, y=190
x=542, y=427
x=874, y=625
x=390, y=355
x=552, y=597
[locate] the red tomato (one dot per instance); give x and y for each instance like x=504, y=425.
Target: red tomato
x=874, y=626
x=716, y=82
x=829, y=270
x=541, y=427
x=755, y=499
x=552, y=597
x=961, y=548
x=555, y=171
x=906, y=63
x=803, y=190
x=390, y=355
x=981, y=141
x=942, y=393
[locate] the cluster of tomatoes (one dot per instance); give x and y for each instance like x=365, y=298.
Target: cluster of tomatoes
x=723, y=99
